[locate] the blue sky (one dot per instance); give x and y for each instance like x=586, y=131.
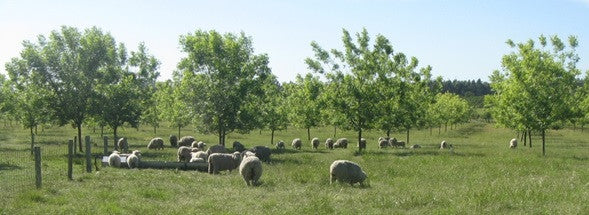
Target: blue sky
x=462, y=39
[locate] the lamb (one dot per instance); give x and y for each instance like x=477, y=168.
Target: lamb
x=156, y=143
x=315, y=142
x=133, y=159
x=250, y=169
x=297, y=143
x=237, y=146
x=114, y=159
x=186, y=141
x=416, y=146
x=221, y=161
x=200, y=145
x=184, y=154
x=262, y=152
x=341, y=143
x=362, y=144
x=173, y=140
x=346, y=171
x=198, y=155
x=280, y=144
x=513, y=143
x=329, y=143
x=122, y=144
x=216, y=149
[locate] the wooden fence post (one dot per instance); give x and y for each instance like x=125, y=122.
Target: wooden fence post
x=105, y=152
x=88, y=155
x=70, y=159
x=38, y=178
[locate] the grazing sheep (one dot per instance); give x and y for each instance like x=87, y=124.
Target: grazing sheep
x=315, y=142
x=280, y=144
x=173, y=140
x=156, y=143
x=416, y=146
x=394, y=143
x=197, y=160
x=513, y=143
x=114, y=159
x=216, y=149
x=199, y=154
x=221, y=161
x=237, y=146
x=251, y=170
x=444, y=145
x=346, y=171
x=122, y=144
x=341, y=143
x=262, y=152
x=247, y=153
x=186, y=141
x=383, y=143
x=329, y=143
x=362, y=144
x=133, y=159
x=297, y=143
x=184, y=154
x=199, y=146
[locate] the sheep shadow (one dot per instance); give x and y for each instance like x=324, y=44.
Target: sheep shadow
x=9, y=166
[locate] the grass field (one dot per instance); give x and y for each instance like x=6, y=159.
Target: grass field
x=480, y=176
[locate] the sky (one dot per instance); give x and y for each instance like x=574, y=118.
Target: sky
x=460, y=39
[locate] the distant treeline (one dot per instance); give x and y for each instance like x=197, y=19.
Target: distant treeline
x=466, y=88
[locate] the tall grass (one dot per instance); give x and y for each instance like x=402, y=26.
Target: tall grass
x=480, y=175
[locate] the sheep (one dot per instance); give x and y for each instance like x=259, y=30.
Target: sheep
x=197, y=160
x=122, y=144
x=362, y=144
x=216, y=149
x=199, y=146
x=184, y=154
x=114, y=159
x=186, y=141
x=329, y=143
x=133, y=159
x=416, y=146
x=445, y=145
x=346, y=171
x=394, y=143
x=221, y=161
x=297, y=143
x=513, y=143
x=315, y=142
x=173, y=140
x=200, y=154
x=237, y=146
x=262, y=152
x=280, y=144
x=250, y=169
x=383, y=143
x=156, y=143
x=341, y=143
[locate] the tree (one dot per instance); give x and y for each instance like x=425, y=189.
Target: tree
x=223, y=78
x=69, y=64
x=304, y=102
x=274, y=113
x=536, y=88
x=174, y=109
x=146, y=75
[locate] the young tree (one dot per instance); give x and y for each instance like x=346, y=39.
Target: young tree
x=174, y=109
x=274, y=113
x=537, y=85
x=304, y=103
x=146, y=69
x=223, y=79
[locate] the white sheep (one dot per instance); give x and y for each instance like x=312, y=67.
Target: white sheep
x=122, y=144
x=513, y=143
x=297, y=143
x=156, y=143
x=133, y=159
x=445, y=145
x=221, y=161
x=280, y=144
x=186, y=141
x=114, y=159
x=341, y=143
x=346, y=171
x=329, y=143
x=184, y=154
x=315, y=142
x=200, y=154
x=250, y=169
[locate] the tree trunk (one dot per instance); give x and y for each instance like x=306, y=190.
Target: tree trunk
x=334, y=130
x=154, y=130
x=407, y=137
x=440, y=129
x=272, y=137
x=220, y=136
x=524, y=137
x=359, y=138
x=260, y=131
x=388, y=133
x=446, y=127
x=32, y=140
x=36, y=133
x=543, y=142
x=101, y=131
x=308, y=133
x=530, y=137
x=79, y=125
x=114, y=130
x=179, y=127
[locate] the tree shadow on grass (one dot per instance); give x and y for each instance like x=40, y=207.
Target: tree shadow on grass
x=9, y=166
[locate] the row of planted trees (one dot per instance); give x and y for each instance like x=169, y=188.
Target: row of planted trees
x=222, y=86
